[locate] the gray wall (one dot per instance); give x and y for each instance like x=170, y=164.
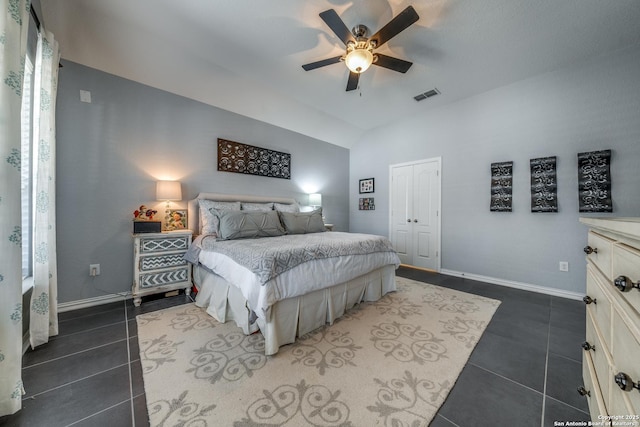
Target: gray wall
x=585, y=107
x=111, y=152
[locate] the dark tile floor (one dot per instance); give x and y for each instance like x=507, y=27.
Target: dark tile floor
x=524, y=371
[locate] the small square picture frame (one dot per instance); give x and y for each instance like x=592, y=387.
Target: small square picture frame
x=366, y=204
x=177, y=220
x=367, y=185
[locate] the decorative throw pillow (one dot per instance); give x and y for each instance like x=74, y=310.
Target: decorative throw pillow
x=261, y=207
x=282, y=207
x=208, y=221
x=302, y=222
x=248, y=224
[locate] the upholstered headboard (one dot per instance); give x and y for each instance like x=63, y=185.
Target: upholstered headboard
x=193, y=215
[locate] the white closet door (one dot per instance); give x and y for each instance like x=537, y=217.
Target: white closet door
x=426, y=197
x=401, y=208
x=414, y=216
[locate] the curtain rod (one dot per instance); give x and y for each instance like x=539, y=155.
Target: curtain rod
x=34, y=15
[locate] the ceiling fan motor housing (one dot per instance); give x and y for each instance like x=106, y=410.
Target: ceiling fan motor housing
x=359, y=46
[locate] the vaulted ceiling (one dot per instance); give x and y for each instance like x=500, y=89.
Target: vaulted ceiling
x=245, y=56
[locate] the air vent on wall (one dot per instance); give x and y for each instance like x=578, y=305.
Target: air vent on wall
x=427, y=94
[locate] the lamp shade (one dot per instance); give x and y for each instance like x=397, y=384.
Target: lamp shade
x=168, y=190
x=315, y=199
x=358, y=60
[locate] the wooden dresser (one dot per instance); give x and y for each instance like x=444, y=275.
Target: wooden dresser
x=611, y=359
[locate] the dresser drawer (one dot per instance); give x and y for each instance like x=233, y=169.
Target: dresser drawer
x=164, y=244
x=626, y=358
x=626, y=262
x=601, y=255
x=154, y=262
x=597, y=409
x=162, y=278
x=601, y=309
x=601, y=358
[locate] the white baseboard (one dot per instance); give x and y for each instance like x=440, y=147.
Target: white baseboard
x=513, y=284
x=92, y=302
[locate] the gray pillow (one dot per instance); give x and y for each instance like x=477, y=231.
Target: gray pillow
x=248, y=224
x=208, y=221
x=257, y=206
x=283, y=207
x=302, y=222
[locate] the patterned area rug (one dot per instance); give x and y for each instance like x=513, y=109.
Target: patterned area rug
x=391, y=363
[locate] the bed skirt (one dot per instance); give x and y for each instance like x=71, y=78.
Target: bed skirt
x=292, y=317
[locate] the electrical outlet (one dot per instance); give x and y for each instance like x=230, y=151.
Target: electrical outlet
x=94, y=270
x=563, y=266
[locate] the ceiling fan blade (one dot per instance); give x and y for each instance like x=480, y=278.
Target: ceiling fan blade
x=352, y=83
x=395, y=26
x=318, y=64
x=395, y=64
x=331, y=18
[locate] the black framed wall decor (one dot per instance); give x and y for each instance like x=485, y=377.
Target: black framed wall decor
x=594, y=181
x=501, y=187
x=248, y=159
x=544, y=185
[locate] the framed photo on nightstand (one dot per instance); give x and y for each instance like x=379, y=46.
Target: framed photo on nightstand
x=177, y=220
x=367, y=185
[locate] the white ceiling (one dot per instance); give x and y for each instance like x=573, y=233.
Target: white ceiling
x=245, y=55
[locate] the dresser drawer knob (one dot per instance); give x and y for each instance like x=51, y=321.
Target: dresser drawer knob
x=589, y=250
x=625, y=382
x=583, y=391
x=588, y=300
x=586, y=346
x=624, y=284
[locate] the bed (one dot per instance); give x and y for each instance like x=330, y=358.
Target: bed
x=291, y=279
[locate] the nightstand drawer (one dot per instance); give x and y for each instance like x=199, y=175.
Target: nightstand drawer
x=155, y=262
x=164, y=244
x=161, y=278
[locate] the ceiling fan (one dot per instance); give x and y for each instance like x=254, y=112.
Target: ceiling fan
x=360, y=53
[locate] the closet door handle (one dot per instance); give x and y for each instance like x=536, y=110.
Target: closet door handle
x=589, y=250
x=624, y=284
x=415, y=220
x=588, y=300
x=408, y=219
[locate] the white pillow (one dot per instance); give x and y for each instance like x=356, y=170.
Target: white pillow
x=208, y=221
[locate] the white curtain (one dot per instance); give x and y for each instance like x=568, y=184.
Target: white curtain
x=14, y=20
x=43, y=321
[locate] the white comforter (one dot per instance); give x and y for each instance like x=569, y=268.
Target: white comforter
x=299, y=280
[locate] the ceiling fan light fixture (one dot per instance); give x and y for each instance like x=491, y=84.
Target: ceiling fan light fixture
x=358, y=60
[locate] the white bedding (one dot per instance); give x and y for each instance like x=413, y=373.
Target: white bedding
x=300, y=280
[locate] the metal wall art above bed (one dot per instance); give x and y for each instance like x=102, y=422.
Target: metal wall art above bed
x=594, y=181
x=501, y=186
x=247, y=159
x=544, y=185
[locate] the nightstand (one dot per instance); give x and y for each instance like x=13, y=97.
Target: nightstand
x=159, y=265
